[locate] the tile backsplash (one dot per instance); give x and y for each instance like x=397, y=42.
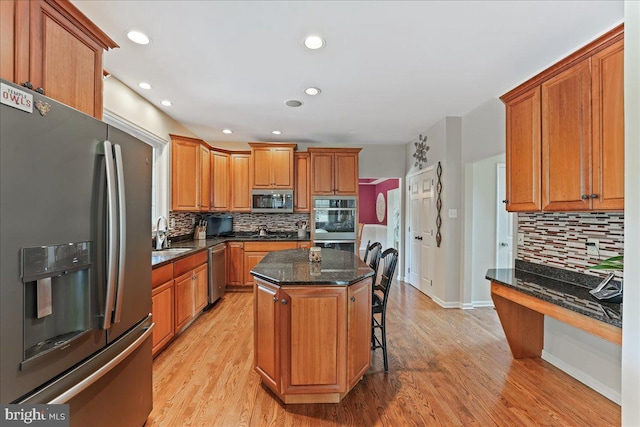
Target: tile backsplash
x=242, y=222
x=559, y=239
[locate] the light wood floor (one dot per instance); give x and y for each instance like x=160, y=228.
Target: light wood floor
x=446, y=367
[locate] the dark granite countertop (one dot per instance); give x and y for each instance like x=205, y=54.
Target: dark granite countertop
x=292, y=267
x=561, y=287
x=201, y=245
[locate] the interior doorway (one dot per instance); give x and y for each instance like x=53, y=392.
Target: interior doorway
x=504, y=223
x=379, y=211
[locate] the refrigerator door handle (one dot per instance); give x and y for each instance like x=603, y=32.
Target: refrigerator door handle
x=122, y=233
x=85, y=383
x=112, y=237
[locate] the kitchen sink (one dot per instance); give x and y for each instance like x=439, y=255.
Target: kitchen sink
x=170, y=251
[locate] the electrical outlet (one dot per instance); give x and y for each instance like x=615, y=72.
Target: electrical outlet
x=520, y=239
x=173, y=223
x=593, y=247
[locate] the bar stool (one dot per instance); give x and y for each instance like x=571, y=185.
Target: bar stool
x=388, y=261
x=372, y=258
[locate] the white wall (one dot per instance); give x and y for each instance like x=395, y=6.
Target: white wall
x=631, y=312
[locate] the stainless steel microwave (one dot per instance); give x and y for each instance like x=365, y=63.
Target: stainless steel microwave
x=272, y=201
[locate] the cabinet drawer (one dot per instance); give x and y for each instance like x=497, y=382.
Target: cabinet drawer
x=268, y=246
x=161, y=275
x=189, y=263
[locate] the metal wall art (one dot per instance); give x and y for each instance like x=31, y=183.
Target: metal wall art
x=421, y=151
x=438, y=204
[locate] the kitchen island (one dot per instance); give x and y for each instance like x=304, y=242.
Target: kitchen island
x=312, y=324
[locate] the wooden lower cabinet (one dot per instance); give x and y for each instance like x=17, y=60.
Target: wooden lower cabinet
x=251, y=259
x=184, y=299
x=162, y=307
x=311, y=343
x=201, y=287
x=244, y=256
x=235, y=264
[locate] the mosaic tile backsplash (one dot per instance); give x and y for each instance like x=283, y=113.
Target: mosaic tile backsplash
x=247, y=222
x=559, y=239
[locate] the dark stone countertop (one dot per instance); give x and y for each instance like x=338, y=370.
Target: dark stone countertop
x=201, y=245
x=292, y=267
x=561, y=287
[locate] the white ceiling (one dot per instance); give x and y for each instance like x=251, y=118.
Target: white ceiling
x=389, y=70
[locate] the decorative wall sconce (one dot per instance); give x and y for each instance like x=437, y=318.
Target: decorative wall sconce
x=421, y=151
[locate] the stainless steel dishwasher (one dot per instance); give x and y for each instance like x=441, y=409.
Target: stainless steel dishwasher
x=217, y=272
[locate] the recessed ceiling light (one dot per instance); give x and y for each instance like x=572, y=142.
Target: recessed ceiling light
x=144, y=85
x=293, y=103
x=227, y=131
x=166, y=103
x=138, y=37
x=314, y=42
x=312, y=91
x=276, y=132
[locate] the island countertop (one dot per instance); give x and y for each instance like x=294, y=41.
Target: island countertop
x=292, y=267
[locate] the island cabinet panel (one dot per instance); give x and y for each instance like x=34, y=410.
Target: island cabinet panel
x=53, y=46
x=240, y=187
x=266, y=340
x=359, y=338
x=523, y=152
x=219, y=181
x=566, y=139
x=315, y=339
x=607, y=87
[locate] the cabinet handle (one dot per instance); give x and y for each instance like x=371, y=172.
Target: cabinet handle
x=505, y=201
x=28, y=85
x=40, y=90
x=275, y=299
x=584, y=196
x=284, y=301
x=353, y=299
x=594, y=196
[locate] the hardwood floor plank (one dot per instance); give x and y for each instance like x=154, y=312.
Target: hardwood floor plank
x=447, y=367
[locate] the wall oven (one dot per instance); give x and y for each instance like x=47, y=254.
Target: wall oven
x=334, y=221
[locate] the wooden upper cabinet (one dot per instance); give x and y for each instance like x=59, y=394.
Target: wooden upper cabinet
x=302, y=186
x=220, y=188
x=580, y=128
x=607, y=88
x=334, y=171
x=240, y=187
x=566, y=139
x=189, y=174
x=53, y=46
x=272, y=166
x=523, y=152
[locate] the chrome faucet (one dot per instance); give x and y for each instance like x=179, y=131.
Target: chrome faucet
x=161, y=235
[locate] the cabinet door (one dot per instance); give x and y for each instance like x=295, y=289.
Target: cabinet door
x=262, y=167
x=184, y=299
x=201, y=287
x=282, y=167
x=608, y=127
x=184, y=175
x=204, y=179
x=64, y=60
x=162, y=309
x=314, y=347
x=251, y=259
x=345, y=167
x=359, y=331
x=219, y=181
x=266, y=327
x=523, y=152
x=566, y=140
x=240, y=190
x=235, y=263
x=302, y=187
x=322, y=173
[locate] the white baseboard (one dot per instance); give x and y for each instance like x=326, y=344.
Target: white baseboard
x=452, y=304
x=583, y=377
x=479, y=304
x=466, y=306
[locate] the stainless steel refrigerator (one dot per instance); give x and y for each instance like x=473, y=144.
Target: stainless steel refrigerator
x=75, y=262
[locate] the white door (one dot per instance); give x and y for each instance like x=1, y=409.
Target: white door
x=504, y=224
x=415, y=258
x=427, y=234
x=393, y=218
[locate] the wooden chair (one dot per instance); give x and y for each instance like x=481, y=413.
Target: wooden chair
x=372, y=257
x=388, y=261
